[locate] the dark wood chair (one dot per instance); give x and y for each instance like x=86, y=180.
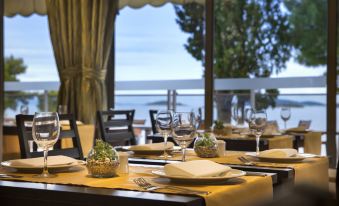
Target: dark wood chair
x=153, y=117
x=116, y=127
x=25, y=135
x=305, y=123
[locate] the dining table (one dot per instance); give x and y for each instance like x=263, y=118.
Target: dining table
x=76, y=187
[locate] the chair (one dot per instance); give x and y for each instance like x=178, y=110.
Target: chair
x=305, y=124
x=153, y=116
x=25, y=135
x=116, y=127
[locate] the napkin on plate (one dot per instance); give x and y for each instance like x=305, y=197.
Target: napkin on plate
x=39, y=161
x=196, y=168
x=154, y=146
x=278, y=153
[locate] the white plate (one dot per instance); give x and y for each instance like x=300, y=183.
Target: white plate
x=233, y=173
x=297, y=158
x=151, y=151
x=7, y=164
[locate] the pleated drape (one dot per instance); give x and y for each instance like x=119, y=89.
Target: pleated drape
x=81, y=34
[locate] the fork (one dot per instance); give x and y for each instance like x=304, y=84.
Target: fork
x=246, y=161
x=141, y=182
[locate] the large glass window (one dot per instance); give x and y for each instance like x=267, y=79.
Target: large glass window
x=28, y=58
x=153, y=44
x=279, y=40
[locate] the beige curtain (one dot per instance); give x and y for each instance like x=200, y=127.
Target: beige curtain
x=81, y=33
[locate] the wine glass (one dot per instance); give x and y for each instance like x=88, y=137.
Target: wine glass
x=285, y=114
x=184, y=130
x=164, y=124
x=257, y=125
x=247, y=114
x=24, y=109
x=45, y=132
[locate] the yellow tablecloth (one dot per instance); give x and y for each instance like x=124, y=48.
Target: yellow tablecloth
x=313, y=171
x=236, y=192
x=312, y=142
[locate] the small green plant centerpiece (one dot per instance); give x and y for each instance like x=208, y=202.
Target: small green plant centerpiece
x=102, y=160
x=218, y=128
x=205, y=145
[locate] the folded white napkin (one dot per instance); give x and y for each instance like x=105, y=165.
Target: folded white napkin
x=196, y=168
x=278, y=153
x=39, y=161
x=154, y=146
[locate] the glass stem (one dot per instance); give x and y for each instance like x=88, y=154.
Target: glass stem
x=165, y=146
x=257, y=138
x=285, y=124
x=183, y=154
x=45, y=170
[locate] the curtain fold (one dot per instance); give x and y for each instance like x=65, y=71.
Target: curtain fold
x=81, y=34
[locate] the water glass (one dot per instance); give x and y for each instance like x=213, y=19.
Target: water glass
x=184, y=130
x=257, y=125
x=164, y=124
x=62, y=109
x=24, y=109
x=285, y=114
x=45, y=132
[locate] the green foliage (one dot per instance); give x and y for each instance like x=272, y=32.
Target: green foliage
x=218, y=124
x=308, y=19
x=103, y=151
x=205, y=141
x=13, y=68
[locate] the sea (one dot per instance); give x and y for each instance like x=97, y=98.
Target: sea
x=309, y=107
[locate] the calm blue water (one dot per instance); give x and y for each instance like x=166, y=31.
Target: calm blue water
x=188, y=103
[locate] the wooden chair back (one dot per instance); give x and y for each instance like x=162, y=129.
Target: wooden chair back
x=116, y=127
x=153, y=116
x=24, y=128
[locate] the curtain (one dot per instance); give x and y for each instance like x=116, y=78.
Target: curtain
x=81, y=34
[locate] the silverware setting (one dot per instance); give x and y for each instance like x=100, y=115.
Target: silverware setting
x=246, y=161
x=141, y=182
x=9, y=176
x=256, y=174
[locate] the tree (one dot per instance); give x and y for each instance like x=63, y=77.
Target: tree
x=13, y=68
x=251, y=39
x=308, y=19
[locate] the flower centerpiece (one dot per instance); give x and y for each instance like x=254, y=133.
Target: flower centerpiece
x=102, y=160
x=205, y=145
x=218, y=127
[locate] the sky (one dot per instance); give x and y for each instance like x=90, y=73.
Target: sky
x=149, y=46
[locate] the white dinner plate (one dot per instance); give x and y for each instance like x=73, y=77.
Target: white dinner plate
x=233, y=173
x=8, y=164
x=297, y=158
x=150, y=151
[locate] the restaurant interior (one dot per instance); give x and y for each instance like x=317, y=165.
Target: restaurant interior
x=169, y=102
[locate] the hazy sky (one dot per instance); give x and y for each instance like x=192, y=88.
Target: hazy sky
x=149, y=45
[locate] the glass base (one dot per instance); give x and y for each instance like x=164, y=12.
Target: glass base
x=45, y=175
x=165, y=156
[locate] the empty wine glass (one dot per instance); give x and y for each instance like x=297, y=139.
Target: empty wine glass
x=164, y=124
x=45, y=132
x=285, y=114
x=257, y=125
x=24, y=109
x=247, y=114
x=184, y=130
